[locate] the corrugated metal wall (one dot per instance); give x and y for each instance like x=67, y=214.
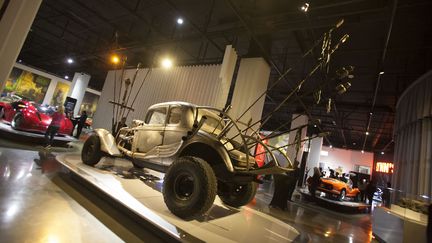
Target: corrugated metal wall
x=200, y=85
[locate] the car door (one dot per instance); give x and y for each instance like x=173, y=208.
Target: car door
x=149, y=136
x=176, y=128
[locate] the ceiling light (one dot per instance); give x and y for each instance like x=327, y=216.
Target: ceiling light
x=70, y=60
x=381, y=73
x=305, y=7
x=180, y=21
x=20, y=61
x=382, y=152
x=331, y=146
x=115, y=59
x=66, y=77
x=362, y=151
x=167, y=63
x=367, y=133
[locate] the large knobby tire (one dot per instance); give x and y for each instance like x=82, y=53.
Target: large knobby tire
x=17, y=121
x=91, y=152
x=189, y=187
x=237, y=195
x=342, y=195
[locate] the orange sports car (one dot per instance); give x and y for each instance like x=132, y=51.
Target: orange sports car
x=339, y=188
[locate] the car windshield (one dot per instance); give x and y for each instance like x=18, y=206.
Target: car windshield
x=10, y=99
x=49, y=110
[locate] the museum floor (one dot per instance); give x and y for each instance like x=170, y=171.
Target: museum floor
x=39, y=202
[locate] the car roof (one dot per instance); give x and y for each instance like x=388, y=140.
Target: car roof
x=165, y=104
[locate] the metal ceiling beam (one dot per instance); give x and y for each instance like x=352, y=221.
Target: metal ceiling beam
x=381, y=64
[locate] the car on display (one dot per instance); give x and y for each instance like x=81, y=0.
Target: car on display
x=189, y=144
x=29, y=116
x=338, y=188
x=5, y=102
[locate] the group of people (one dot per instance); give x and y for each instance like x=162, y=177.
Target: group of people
x=56, y=119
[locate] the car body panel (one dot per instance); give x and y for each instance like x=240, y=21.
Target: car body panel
x=334, y=186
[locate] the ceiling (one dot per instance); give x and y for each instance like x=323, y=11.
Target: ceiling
x=385, y=35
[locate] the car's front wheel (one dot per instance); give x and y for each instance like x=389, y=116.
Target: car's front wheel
x=17, y=121
x=342, y=194
x=91, y=152
x=237, y=195
x=189, y=187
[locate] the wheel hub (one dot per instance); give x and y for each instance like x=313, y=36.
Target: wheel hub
x=184, y=186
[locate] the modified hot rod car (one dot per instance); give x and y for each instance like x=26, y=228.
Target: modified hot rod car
x=338, y=188
x=32, y=117
x=190, y=144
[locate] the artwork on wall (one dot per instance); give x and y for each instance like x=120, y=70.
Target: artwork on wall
x=89, y=103
x=60, y=94
x=26, y=84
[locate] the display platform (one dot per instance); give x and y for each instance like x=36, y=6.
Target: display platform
x=140, y=191
x=340, y=206
x=6, y=131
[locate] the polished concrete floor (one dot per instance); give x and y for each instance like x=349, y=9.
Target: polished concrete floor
x=40, y=203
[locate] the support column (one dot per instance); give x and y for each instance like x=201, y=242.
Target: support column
x=297, y=121
x=314, y=154
x=77, y=89
x=14, y=26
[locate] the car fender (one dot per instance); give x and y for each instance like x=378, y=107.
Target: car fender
x=212, y=142
x=107, y=141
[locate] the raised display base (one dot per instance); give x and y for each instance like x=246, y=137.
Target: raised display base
x=339, y=206
x=6, y=131
x=140, y=192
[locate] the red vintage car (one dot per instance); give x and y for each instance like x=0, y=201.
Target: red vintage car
x=29, y=116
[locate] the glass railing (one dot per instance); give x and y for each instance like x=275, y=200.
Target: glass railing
x=406, y=205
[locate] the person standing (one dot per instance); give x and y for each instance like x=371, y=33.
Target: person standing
x=370, y=191
x=56, y=120
x=81, y=123
x=315, y=181
x=362, y=188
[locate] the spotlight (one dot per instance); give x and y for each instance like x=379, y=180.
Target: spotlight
x=343, y=87
x=362, y=151
x=305, y=7
x=180, y=21
x=66, y=77
x=367, y=133
x=115, y=59
x=381, y=73
x=382, y=152
x=167, y=63
x=20, y=61
x=331, y=146
x=70, y=60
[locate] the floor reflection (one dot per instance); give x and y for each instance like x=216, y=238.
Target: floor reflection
x=34, y=209
x=315, y=223
x=29, y=200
